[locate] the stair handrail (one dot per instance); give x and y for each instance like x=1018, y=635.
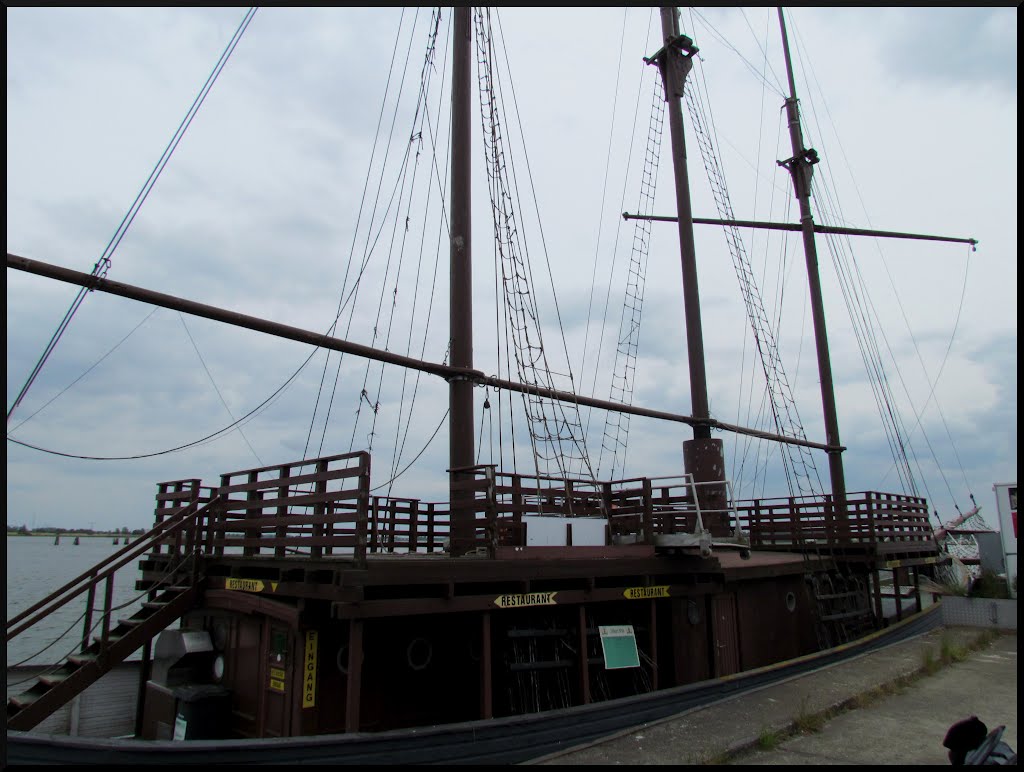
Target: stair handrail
x=189, y=516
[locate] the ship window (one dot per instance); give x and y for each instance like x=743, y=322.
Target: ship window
x=278, y=646
x=693, y=612
x=791, y=601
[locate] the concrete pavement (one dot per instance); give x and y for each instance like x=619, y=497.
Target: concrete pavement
x=887, y=707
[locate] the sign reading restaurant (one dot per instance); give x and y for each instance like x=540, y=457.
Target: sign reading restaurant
x=526, y=599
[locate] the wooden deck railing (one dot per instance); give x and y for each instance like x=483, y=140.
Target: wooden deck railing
x=322, y=507
x=636, y=509
x=319, y=505
x=873, y=519
x=172, y=499
x=407, y=526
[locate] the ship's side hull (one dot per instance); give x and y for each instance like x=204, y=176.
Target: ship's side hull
x=500, y=740
x=409, y=642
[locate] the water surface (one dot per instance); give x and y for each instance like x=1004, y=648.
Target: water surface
x=37, y=567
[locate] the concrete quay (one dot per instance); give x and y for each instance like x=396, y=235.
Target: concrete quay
x=892, y=706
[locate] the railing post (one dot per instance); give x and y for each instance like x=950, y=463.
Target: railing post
x=373, y=526
x=90, y=602
x=392, y=511
x=196, y=538
x=362, y=510
x=870, y=500
x=414, y=525
x=281, y=512
x=517, y=501
x=492, y=511
x=430, y=528
x=250, y=532
x=794, y=524
x=755, y=525
x=319, y=510
x=108, y=602
x=207, y=523
x=647, y=522
x=606, y=499
x=161, y=489
x=606, y=507
x=221, y=531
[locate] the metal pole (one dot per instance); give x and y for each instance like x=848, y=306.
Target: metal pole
x=800, y=167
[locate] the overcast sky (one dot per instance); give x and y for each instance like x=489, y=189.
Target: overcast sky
x=913, y=111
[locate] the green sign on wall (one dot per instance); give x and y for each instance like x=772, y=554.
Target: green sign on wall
x=618, y=643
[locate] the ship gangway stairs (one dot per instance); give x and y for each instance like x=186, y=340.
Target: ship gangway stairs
x=104, y=644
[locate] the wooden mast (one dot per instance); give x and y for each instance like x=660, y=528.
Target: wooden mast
x=460, y=388
x=800, y=167
x=702, y=456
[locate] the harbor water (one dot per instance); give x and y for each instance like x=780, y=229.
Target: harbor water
x=37, y=567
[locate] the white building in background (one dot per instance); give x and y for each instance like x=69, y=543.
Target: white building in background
x=1006, y=506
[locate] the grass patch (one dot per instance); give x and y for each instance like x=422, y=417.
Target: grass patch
x=864, y=699
x=808, y=722
x=929, y=664
x=984, y=640
x=905, y=680
x=710, y=758
x=952, y=652
x=769, y=739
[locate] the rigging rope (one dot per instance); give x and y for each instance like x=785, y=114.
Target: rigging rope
x=208, y=438
x=88, y=370
x=103, y=264
x=216, y=388
x=343, y=299
x=415, y=141
x=400, y=436
x=555, y=428
x=801, y=473
x=864, y=315
x=616, y=428
x=644, y=69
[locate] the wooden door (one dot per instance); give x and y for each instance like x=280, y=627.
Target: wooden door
x=725, y=634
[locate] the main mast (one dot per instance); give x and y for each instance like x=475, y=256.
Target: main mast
x=800, y=167
x=460, y=388
x=702, y=456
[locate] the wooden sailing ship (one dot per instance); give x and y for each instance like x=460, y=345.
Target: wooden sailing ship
x=309, y=605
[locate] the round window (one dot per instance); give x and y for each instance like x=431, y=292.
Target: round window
x=218, y=668
x=419, y=653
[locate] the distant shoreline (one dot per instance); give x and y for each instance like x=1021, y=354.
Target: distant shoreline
x=89, y=535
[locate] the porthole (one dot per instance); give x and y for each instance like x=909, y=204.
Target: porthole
x=218, y=668
x=341, y=659
x=791, y=601
x=419, y=653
